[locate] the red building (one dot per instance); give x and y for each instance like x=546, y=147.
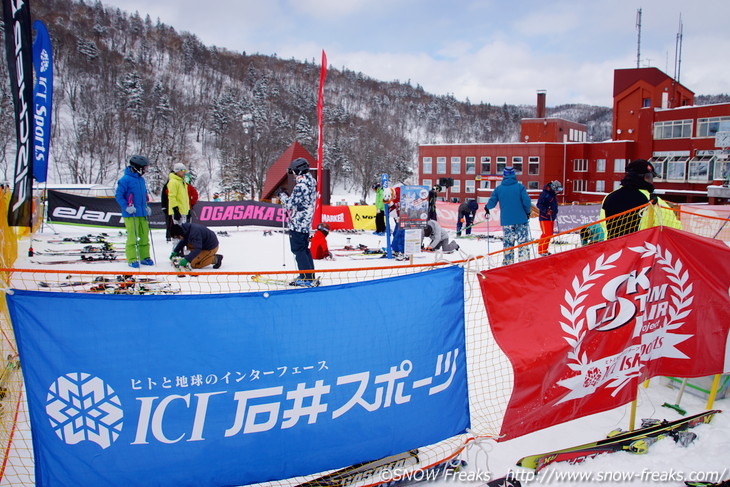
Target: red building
x=653, y=118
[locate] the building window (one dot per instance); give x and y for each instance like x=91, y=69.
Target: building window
x=619, y=165
x=579, y=185
x=427, y=165
x=600, y=165
x=580, y=165
x=486, y=163
x=709, y=127
x=676, y=168
x=456, y=188
x=440, y=165
x=600, y=186
x=427, y=182
x=659, y=162
x=722, y=169
x=471, y=163
x=484, y=184
x=646, y=102
x=469, y=186
x=533, y=185
x=533, y=166
x=501, y=164
x=456, y=165
x=517, y=164
x=699, y=168
x=673, y=129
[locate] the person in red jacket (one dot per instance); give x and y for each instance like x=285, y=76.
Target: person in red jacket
x=318, y=244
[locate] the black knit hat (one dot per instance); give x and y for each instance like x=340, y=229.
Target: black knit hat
x=640, y=167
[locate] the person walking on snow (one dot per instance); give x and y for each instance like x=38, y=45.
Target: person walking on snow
x=300, y=207
x=547, y=203
x=132, y=197
x=515, y=207
x=202, y=243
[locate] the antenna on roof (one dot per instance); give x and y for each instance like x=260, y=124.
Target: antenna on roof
x=678, y=51
x=638, y=46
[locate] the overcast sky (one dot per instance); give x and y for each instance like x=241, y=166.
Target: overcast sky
x=491, y=51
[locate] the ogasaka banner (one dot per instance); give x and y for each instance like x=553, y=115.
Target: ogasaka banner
x=583, y=328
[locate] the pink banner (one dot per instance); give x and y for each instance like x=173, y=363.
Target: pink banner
x=448, y=214
x=583, y=328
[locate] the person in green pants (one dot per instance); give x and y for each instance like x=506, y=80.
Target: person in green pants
x=132, y=198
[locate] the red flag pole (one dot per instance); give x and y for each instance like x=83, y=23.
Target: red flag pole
x=320, y=149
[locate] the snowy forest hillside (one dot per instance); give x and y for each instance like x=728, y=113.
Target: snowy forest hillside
x=126, y=84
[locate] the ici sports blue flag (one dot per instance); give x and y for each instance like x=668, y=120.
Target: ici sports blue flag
x=233, y=389
x=42, y=100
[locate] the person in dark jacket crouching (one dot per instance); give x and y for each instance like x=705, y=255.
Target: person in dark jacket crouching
x=202, y=243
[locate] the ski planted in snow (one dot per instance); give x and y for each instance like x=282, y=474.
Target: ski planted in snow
x=636, y=441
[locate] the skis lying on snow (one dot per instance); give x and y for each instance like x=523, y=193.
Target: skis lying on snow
x=281, y=282
x=89, y=259
x=636, y=441
x=89, y=249
x=386, y=472
x=85, y=239
x=100, y=280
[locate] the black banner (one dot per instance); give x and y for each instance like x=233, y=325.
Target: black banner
x=19, y=54
x=85, y=210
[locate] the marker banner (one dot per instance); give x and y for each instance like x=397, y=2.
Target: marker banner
x=235, y=389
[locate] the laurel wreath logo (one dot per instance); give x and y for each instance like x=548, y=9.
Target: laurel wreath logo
x=574, y=324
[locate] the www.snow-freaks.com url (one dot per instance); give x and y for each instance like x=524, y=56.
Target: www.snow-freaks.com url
x=550, y=476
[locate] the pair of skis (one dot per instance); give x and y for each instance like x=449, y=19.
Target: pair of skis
x=84, y=258
x=281, y=282
x=636, y=441
x=117, y=285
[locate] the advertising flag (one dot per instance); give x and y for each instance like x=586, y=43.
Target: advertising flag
x=583, y=328
x=320, y=141
x=235, y=389
x=19, y=54
x=42, y=100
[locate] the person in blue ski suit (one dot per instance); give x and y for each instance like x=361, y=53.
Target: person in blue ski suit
x=132, y=197
x=515, y=207
x=300, y=206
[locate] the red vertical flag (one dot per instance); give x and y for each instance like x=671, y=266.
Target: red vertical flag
x=320, y=107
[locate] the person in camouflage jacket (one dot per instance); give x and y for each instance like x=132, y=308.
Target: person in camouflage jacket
x=300, y=206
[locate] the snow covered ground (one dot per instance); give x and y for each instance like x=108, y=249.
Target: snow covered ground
x=248, y=249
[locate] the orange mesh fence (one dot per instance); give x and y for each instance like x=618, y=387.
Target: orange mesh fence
x=490, y=376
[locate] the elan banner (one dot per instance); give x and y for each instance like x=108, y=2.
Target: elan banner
x=235, y=389
x=609, y=316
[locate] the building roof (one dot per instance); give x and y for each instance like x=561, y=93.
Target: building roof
x=625, y=78
x=276, y=175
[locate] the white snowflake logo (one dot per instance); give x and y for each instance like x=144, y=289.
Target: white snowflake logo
x=81, y=407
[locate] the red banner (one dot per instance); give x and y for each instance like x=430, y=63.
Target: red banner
x=583, y=328
x=448, y=214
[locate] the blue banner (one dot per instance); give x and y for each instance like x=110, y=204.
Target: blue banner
x=232, y=389
x=42, y=100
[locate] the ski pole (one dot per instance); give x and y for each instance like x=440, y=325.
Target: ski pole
x=283, y=236
x=152, y=241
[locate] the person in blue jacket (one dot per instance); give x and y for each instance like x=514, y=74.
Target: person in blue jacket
x=132, y=198
x=515, y=206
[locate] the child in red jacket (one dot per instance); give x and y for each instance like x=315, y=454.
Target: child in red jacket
x=318, y=244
